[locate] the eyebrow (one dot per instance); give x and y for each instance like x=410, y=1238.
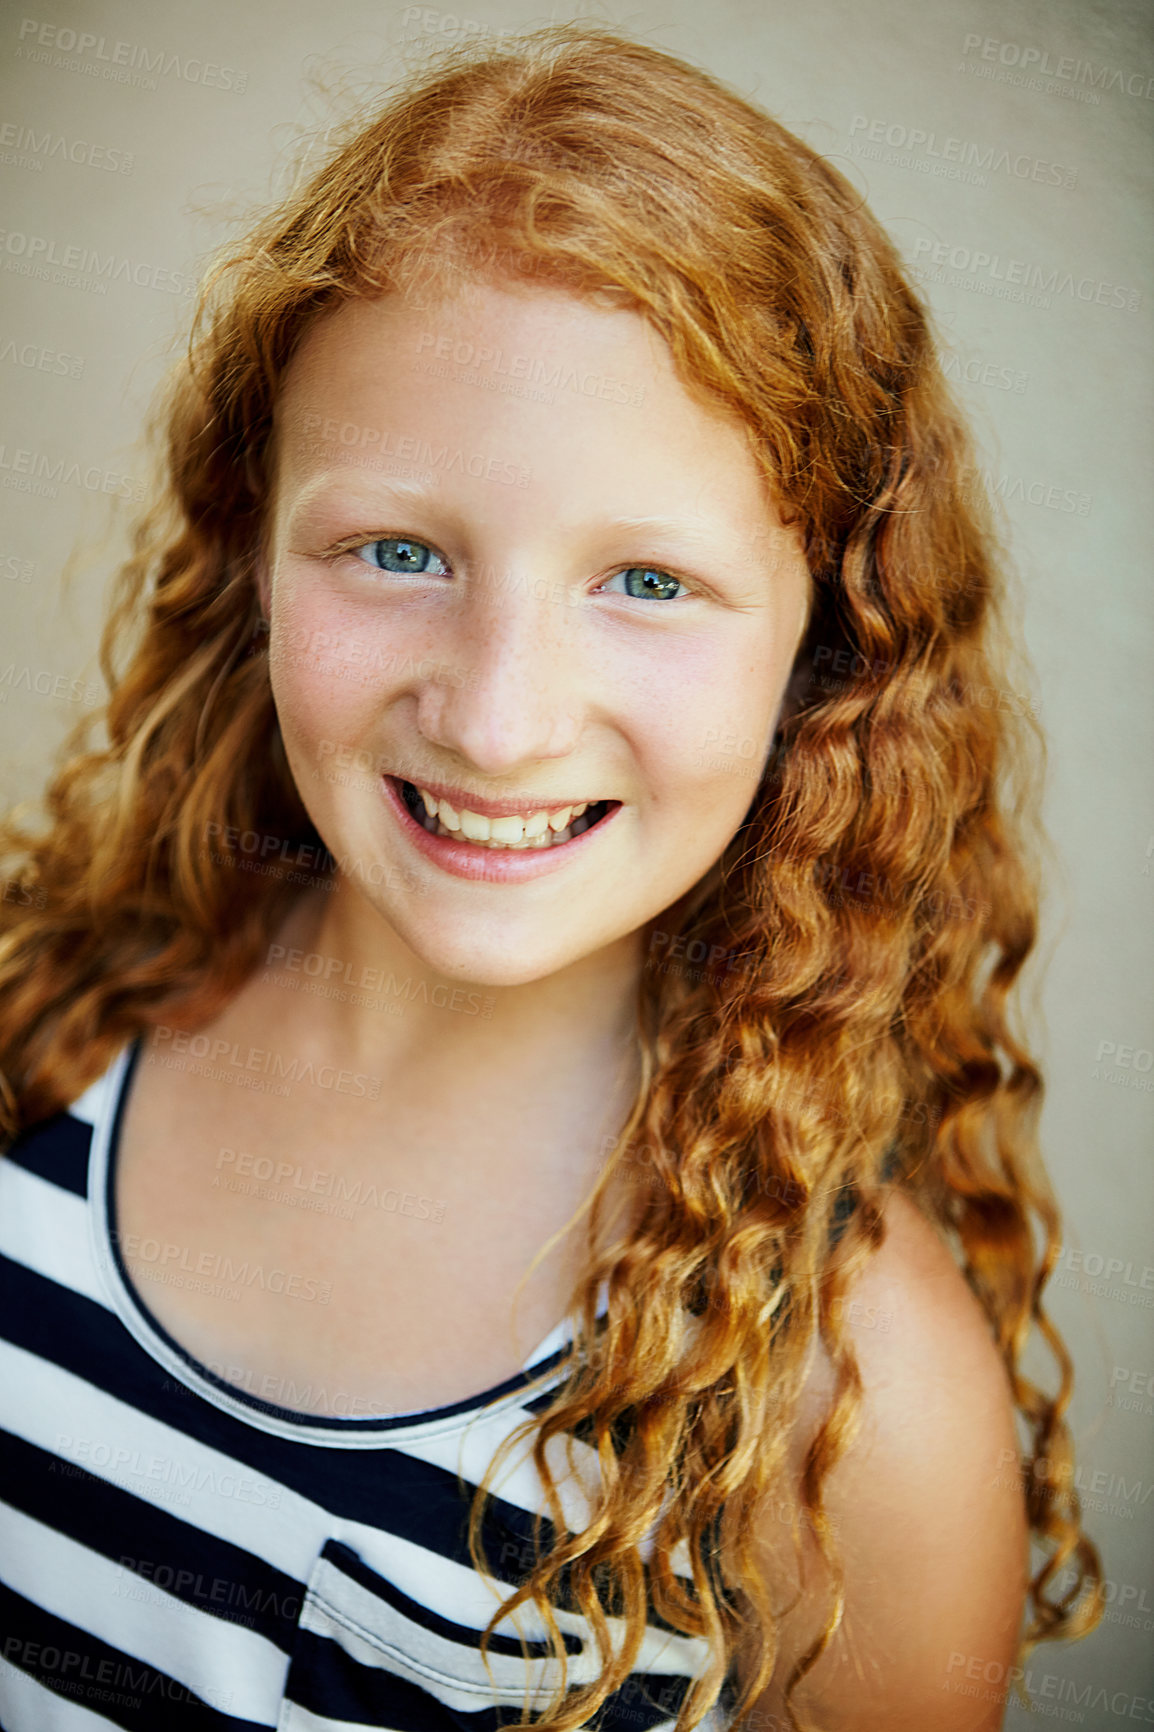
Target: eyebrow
x=419, y=492
x=660, y=526
x=395, y=487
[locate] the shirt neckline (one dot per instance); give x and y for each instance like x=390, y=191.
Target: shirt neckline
x=338, y=1430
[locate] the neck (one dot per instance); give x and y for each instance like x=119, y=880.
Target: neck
x=558, y=1054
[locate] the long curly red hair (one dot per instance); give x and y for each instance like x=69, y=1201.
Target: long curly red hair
x=879, y=898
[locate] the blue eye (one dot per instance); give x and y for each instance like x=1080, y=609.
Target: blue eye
x=641, y=581
x=398, y=553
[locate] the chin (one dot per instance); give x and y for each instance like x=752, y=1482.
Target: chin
x=500, y=963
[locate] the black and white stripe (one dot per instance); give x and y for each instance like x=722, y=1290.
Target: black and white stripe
x=175, y=1553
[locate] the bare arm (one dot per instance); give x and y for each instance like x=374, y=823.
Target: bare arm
x=929, y=1521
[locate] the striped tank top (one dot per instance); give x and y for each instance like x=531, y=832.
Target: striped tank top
x=178, y=1551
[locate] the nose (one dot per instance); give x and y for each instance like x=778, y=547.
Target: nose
x=510, y=694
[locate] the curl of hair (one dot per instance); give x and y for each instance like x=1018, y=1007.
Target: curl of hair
x=873, y=913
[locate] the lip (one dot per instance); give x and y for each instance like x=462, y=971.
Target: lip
x=460, y=801
x=488, y=865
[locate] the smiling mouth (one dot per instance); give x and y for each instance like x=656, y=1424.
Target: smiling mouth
x=533, y=831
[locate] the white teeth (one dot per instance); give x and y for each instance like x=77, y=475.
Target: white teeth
x=547, y=840
x=510, y=830
x=536, y=830
x=474, y=827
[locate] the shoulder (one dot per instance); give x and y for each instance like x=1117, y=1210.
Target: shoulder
x=915, y=1323
x=925, y=1505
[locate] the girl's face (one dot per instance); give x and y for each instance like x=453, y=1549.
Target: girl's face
x=512, y=562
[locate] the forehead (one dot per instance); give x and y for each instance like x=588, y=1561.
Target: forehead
x=532, y=349
x=575, y=398
x=460, y=329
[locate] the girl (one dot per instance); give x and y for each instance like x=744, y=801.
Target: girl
x=520, y=1197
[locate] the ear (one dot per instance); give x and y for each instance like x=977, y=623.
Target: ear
x=798, y=685
x=261, y=565
x=262, y=579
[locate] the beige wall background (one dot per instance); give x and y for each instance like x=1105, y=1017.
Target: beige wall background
x=1006, y=146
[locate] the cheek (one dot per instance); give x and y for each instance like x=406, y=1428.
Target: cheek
x=718, y=725
x=321, y=670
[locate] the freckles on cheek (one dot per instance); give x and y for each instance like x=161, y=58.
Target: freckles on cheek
x=316, y=709
x=717, y=731
x=321, y=686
